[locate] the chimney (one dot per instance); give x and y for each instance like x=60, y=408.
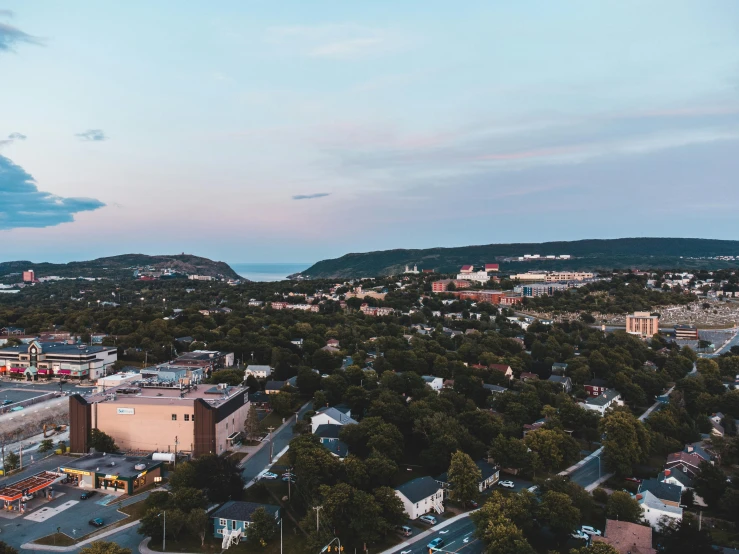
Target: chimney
x=689, y=448
x=667, y=472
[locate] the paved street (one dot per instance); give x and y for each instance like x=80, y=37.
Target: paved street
x=458, y=537
x=589, y=473
x=260, y=460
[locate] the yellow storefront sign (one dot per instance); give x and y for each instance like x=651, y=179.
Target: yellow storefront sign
x=74, y=471
x=114, y=477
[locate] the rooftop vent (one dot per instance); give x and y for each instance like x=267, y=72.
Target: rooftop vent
x=139, y=467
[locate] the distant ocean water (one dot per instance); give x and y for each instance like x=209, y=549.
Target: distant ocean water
x=268, y=272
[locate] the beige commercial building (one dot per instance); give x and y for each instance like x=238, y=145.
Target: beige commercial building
x=642, y=323
x=159, y=417
x=552, y=277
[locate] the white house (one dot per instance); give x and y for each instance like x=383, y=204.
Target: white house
x=421, y=496
x=489, y=475
x=331, y=416
x=603, y=401
x=654, y=510
x=258, y=371
x=436, y=383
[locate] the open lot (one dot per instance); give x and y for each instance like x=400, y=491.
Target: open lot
x=18, y=395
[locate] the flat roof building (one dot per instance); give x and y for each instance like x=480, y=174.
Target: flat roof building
x=642, y=323
x=113, y=472
x=154, y=416
x=59, y=359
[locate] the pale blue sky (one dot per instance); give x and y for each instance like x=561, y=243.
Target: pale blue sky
x=293, y=131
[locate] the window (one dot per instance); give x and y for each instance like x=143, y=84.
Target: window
x=174, y=417
x=192, y=417
x=233, y=524
x=222, y=522
x=187, y=417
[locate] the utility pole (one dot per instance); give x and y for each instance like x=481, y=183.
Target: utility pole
x=318, y=511
x=21, y=462
x=176, y=442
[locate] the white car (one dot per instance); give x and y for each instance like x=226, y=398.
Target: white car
x=506, y=484
x=431, y=520
x=587, y=529
x=269, y=475
x=580, y=535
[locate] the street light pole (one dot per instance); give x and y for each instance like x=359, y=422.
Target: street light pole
x=280, y=535
x=164, y=529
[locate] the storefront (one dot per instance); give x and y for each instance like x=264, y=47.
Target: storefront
x=113, y=473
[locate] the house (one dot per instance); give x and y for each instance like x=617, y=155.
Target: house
x=331, y=415
x=185, y=340
x=274, y=387
x=236, y=515
x=603, y=401
x=436, y=383
x=421, y=496
x=12, y=331
x=333, y=343
x=717, y=428
x=328, y=433
x=563, y=382
x=448, y=383
x=529, y=427
x=559, y=368
x=528, y=376
x=653, y=510
x=258, y=371
x=677, y=478
x=259, y=399
x=665, y=492
x=297, y=342
x=292, y=382
x=595, y=387
x=489, y=475
x=504, y=369
x=627, y=538
x=687, y=461
x=494, y=389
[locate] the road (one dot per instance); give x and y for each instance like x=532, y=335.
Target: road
x=733, y=341
x=458, y=537
x=259, y=461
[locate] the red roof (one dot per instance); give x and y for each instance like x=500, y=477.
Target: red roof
x=500, y=367
x=689, y=458
x=491, y=267
x=466, y=268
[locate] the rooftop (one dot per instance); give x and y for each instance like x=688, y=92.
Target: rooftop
x=418, y=489
x=150, y=391
x=242, y=511
x=663, y=491
x=60, y=348
x=628, y=537
x=603, y=398
x=113, y=464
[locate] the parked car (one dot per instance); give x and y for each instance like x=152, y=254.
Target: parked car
x=431, y=520
x=506, y=484
x=27, y=497
x=633, y=479
x=580, y=535
x=436, y=543
x=269, y=475
x=590, y=530
x=289, y=478
x=87, y=494
x=472, y=504
x=97, y=522
x=404, y=530
x=6, y=402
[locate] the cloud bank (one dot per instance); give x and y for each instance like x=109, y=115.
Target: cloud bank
x=17, y=136
x=10, y=36
x=23, y=205
x=310, y=196
x=92, y=135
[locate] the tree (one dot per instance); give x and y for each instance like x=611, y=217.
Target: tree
x=464, y=477
x=251, y=424
x=46, y=445
x=102, y=442
x=104, y=547
x=710, y=483
x=730, y=504
x=7, y=549
x=555, y=449
x=188, y=499
x=263, y=527
x=685, y=537
x=623, y=507
x=510, y=453
x=283, y=402
x=557, y=511
x=626, y=442
x=12, y=461
x=501, y=522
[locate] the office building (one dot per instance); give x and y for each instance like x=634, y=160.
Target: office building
x=642, y=323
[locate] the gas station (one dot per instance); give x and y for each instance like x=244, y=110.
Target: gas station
x=15, y=496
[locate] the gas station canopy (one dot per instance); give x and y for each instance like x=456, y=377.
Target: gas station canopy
x=29, y=485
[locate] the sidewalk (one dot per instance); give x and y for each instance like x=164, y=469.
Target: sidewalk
x=144, y=548
x=72, y=548
x=288, y=421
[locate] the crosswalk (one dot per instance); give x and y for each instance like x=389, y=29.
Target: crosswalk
x=47, y=512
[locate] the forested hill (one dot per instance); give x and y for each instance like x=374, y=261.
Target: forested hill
x=123, y=265
x=653, y=253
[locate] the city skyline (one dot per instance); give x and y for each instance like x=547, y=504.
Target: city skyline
x=251, y=133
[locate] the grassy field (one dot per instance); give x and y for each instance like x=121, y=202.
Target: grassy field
x=57, y=539
x=271, y=420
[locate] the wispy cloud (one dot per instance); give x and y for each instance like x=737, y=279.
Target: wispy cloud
x=94, y=135
x=17, y=136
x=10, y=36
x=310, y=196
x=336, y=41
x=23, y=205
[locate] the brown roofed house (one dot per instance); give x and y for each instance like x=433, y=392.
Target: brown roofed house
x=628, y=537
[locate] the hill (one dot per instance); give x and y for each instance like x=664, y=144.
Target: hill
x=593, y=254
x=123, y=266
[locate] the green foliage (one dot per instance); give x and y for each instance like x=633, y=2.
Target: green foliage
x=12, y=461
x=103, y=547
x=501, y=523
x=685, y=537
x=46, y=445
x=263, y=527
x=626, y=442
x=464, y=477
x=101, y=441
x=219, y=478
x=554, y=450
x=7, y=549
x=710, y=483
x=596, y=547
x=557, y=511
x=623, y=507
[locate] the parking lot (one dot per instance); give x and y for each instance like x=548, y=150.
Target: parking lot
x=17, y=395
x=66, y=511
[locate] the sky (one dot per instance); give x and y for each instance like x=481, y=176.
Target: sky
x=293, y=131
